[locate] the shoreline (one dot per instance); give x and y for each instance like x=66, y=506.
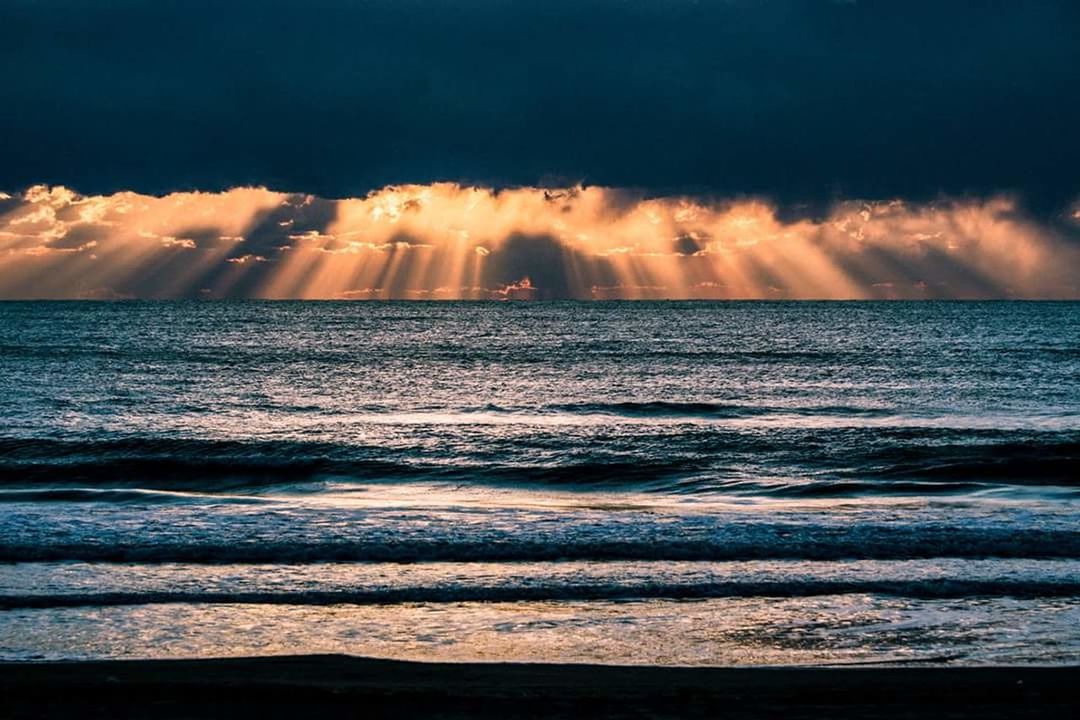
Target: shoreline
x=346, y=686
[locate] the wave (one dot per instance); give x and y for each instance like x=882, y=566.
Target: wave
x=664, y=408
x=814, y=463
x=747, y=542
x=1027, y=462
x=114, y=495
x=937, y=588
x=210, y=466
x=178, y=463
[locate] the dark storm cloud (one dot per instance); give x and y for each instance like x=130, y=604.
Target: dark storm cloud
x=805, y=102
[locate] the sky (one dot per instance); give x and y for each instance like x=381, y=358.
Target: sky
x=539, y=149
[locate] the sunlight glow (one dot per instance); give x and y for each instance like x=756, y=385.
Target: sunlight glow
x=447, y=241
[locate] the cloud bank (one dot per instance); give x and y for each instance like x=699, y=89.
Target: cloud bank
x=449, y=241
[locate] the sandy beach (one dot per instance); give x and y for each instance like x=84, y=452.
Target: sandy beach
x=340, y=686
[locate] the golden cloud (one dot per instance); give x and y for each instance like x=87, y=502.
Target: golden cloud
x=450, y=241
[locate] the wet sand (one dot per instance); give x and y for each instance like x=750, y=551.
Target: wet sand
x=339, y=686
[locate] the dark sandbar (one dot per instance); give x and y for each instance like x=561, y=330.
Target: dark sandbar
x=336, y=686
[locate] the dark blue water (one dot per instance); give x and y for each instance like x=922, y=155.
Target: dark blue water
x=192, y=471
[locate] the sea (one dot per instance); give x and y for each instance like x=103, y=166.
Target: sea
x=665, y=483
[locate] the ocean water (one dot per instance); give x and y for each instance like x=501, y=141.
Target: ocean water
x=668, y=483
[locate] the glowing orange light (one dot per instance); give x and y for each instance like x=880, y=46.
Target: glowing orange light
x=447, y=241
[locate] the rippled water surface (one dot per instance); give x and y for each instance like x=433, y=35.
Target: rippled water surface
x=680, y=483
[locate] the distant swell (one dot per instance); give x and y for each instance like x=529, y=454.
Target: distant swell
x=661, y=409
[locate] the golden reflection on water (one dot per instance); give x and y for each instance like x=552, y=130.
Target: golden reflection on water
x=304, y=610
x=730, y=631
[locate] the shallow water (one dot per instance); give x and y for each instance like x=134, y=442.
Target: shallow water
x=678, y=483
